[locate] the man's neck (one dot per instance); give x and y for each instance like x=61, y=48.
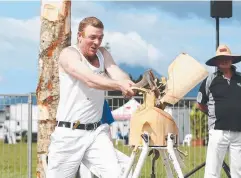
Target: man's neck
x=89, y=58
x=79, y=47
x=228, y=72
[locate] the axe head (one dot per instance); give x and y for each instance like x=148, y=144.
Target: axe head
x=147, y=79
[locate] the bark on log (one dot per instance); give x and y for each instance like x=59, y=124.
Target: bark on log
x=54, y=36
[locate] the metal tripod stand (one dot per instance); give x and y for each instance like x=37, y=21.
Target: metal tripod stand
x=168, y=153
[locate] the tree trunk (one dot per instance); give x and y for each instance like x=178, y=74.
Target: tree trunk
x=54, y=36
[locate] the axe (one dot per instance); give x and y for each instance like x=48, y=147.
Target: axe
x=145, y=80
x=149, y=79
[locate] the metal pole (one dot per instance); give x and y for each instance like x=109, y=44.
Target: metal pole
x=226, y=169
x=217, y=36
x=30, y=135
x=217, y=32
x=195, y=170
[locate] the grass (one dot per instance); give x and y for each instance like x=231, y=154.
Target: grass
x=13, y=162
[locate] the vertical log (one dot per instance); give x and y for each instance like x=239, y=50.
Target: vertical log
x=55, y=35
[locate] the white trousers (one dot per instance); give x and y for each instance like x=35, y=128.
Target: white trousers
x=68, y=148
x=123, y=160
x=219, y=143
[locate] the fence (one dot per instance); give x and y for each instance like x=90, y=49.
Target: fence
x=18, y=133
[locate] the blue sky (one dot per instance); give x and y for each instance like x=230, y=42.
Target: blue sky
x=141, y=34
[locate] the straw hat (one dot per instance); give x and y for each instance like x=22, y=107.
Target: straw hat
x=223, y=52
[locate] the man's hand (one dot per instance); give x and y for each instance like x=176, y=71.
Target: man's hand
x=125, y=87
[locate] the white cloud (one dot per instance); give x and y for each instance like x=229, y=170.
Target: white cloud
x=129, y=48
x=19, y=43
x=152, y=38
x=13, y=29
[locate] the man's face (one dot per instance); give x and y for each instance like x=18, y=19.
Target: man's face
x=224, y=63
x=91, y=39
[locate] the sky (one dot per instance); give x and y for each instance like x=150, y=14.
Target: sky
x=140, y=34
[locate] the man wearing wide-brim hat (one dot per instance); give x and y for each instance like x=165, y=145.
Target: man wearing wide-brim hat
x=223, y=53
x=220, y=97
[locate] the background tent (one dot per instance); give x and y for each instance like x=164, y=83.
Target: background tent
x=124, y=112
x=122, y=115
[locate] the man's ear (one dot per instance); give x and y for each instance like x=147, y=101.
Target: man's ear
x=79, y=35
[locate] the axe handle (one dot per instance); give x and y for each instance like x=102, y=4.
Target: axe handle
x=140, y=89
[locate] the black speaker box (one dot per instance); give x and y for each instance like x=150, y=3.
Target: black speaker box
x=221, y=9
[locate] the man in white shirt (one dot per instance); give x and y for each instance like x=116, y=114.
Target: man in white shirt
x=79, y=136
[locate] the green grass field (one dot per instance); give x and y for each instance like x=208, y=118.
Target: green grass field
x=13, y=162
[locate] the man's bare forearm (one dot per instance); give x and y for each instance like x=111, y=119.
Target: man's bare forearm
x=98, y=82
x=118, y=74
x=124, y=76
x=114, y=71
x=104, y=84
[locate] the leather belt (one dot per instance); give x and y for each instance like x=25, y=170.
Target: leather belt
x=90, y=126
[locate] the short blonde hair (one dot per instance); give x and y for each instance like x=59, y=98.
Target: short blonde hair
x=93, y=21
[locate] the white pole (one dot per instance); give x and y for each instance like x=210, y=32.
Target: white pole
x=130, y=164
x=30, y=136
x=143, y=156
x=173, y=156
